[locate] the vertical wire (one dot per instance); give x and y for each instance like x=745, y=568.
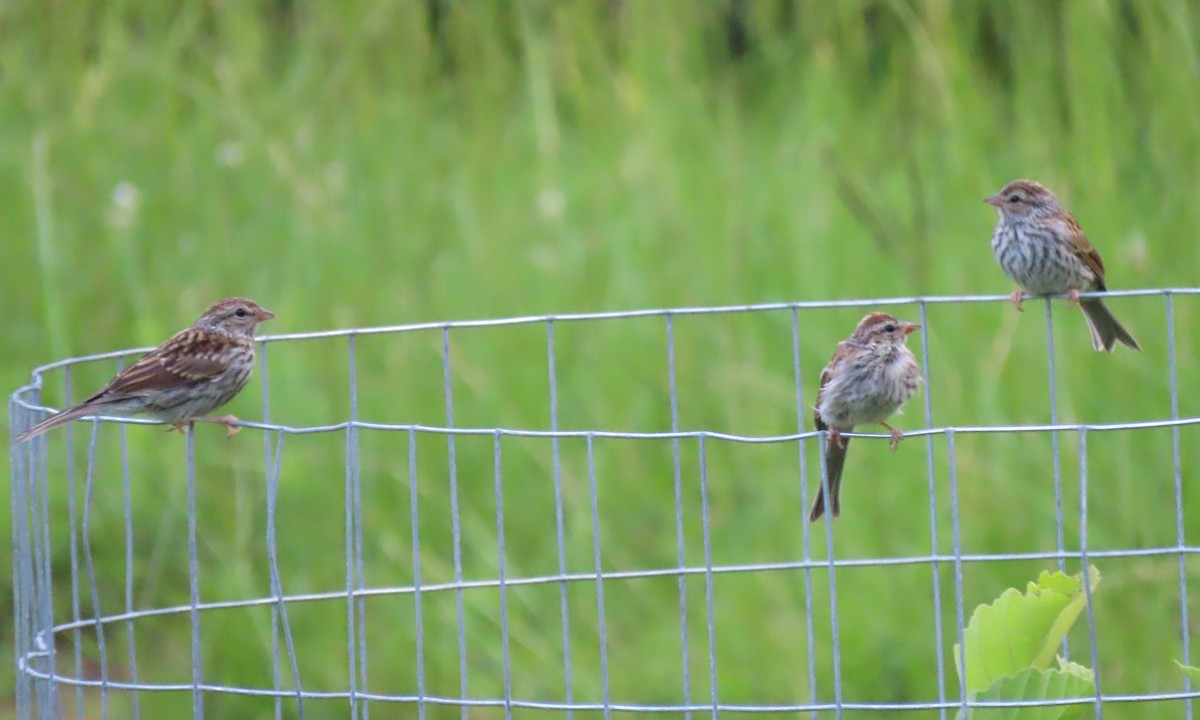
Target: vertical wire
x=194, y=580
x=805, y=535
x=43, y=577
x=276, y=664
x=363, y=652
x=601, y=626
x=22, y=477
x=356, y=603
x=1180, y=537
x=348, y=518
x=279, y=616
x=276, y=668
x=680, y=556
x=834, y=634
x=1055, y=452
x=708, y=579
x=502, y=575
x=559, y=529
x=956, y=529
x=933, y=524
x=30, y=568
x=1083, y=558
x=418, y=609
x=127, y=503
x=29, y=634
x=90, y=563
x=455, y=524
x=73, y=521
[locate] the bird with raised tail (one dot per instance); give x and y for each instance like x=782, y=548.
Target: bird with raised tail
x=184, y=379
x=872, y=374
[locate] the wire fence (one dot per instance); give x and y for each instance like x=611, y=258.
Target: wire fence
x=69, y=649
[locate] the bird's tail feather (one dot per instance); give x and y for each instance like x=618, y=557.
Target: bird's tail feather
x=1106, y=331
x=835, y=459
x=61, y=418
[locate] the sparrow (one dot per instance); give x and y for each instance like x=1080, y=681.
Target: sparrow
x=872, y=374
x=1040, y=246
x=184, y=379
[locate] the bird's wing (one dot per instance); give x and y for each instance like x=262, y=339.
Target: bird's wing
x=190, y=357
x=1085, y=250
x=826, y=376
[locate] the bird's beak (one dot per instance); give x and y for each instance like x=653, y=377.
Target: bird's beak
x=263, y=314
x=993, y=200
x=910, y=328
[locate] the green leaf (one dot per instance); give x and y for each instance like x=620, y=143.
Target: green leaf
x=1080, y=671
x=1192, y=673
x=1067, y=585
x=1032, y=684
x=1021, y=630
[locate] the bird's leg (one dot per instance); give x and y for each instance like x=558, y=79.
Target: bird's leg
x=835, y=436
x=229, y=421
x=897, y=436
x=1017, y=297
x=1073, y=297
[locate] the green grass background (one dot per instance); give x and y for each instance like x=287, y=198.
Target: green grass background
x=373, y=163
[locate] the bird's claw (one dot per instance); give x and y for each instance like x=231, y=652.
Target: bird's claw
x=1073, y=298
x=229, y=421
x=1017, y=297
x=897, y=436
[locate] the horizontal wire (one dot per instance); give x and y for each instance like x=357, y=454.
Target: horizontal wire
x=597, y=706
x=629, y=314
x=664, y=434
x=590, y=577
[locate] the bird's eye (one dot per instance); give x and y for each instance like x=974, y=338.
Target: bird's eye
x=1014, y=198
x=889, y=328
x=241, y=312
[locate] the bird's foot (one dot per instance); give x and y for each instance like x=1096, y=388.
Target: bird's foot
x=897, y=436
x=835, y=436
x=1017, y=297
x=229, y=421
x=1073, y=298
x=182, y=427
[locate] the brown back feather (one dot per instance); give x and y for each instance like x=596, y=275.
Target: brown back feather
x=1084, y=248
x=191, y=356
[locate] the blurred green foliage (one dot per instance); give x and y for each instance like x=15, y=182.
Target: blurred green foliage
x=374, y=163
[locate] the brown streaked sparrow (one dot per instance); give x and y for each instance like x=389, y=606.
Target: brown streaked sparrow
x=1040, y=246
x=871, y=375
x=181, y=381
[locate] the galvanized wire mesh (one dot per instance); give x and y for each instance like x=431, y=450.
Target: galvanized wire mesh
x=61, y=653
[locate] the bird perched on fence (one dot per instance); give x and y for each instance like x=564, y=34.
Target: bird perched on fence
x=184, y=379
x=871, y=375
x=1040, y=246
